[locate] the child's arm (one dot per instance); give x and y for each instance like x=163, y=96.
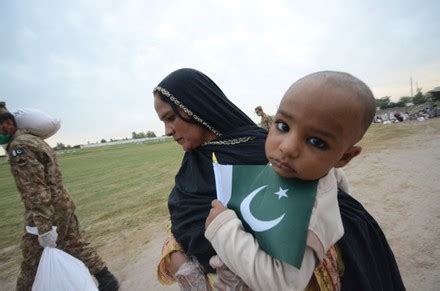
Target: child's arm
x=241, y=253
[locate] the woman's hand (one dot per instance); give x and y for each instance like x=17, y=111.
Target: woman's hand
x=217, y=208
x=177, y=259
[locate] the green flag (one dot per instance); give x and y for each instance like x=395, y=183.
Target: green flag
x=274, y=209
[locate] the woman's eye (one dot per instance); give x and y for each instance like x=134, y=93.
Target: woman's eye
x=171, y=117
x=317, y=142
x=281, y=126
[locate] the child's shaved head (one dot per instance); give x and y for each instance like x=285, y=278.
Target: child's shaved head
x=320, y=119
x=359, y=91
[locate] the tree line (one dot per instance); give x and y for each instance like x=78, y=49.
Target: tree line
x=419, y=98
x=134, y=135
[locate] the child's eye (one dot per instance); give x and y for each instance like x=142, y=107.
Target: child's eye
x=281, y=126
x=317, y=142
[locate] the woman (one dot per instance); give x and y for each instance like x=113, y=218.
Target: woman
x=202, y=120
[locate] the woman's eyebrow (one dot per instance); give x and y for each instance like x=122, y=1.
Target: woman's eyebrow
x=166, y=115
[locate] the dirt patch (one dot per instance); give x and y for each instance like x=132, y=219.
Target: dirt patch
x=399, y=186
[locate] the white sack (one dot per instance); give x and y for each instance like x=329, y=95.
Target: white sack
x=58, y=270
x=37, y=122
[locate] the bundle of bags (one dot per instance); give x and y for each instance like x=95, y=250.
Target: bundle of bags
x=37, y=122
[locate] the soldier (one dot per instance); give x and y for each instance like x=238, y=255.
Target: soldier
x=266, y=120
x=47, y=203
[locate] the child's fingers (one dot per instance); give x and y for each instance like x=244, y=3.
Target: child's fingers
x=216, y=203
x=217, y=208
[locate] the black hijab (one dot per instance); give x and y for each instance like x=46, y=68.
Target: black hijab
x=239, y=141
x=369, y=263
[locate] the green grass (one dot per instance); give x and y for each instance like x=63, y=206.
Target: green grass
x=114, y=188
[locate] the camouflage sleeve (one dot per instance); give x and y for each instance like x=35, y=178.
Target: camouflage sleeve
x=29, y=175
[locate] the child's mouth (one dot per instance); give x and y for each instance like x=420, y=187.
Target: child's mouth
x=282, y=166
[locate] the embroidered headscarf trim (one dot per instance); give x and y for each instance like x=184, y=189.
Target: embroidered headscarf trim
x=182, y=106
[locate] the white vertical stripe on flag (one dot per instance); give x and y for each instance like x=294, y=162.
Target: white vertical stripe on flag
x=223, y=182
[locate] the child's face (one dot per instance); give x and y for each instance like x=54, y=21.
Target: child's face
x=315, y=129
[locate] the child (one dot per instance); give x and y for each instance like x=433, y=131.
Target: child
x=319, y=121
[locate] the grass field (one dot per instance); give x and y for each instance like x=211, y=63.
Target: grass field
x=118, y=188
x=115, y=188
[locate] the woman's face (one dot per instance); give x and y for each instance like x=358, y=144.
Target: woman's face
x=189, y=135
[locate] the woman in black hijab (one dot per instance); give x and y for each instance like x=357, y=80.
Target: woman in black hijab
x=202, y=120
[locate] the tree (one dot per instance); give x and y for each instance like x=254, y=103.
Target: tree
x=383, y=102
x=396, y=104
x=406, y=99
x=150, y=134
x=135, y=135
x=60, y=146
x=103, y=141
x=419, y=98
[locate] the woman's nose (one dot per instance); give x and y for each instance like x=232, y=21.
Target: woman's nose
x=169, y=129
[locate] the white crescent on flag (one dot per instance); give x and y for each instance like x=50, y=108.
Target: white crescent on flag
x=256, y=224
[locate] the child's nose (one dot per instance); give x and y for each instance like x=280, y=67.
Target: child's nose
x=291, y=147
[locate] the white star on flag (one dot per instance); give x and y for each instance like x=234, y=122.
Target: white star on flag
x=281, y=193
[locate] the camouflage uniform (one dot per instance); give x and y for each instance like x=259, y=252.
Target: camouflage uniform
x=35, y=169
x=266, y=121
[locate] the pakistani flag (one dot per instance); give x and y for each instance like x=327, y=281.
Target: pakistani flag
x=274, y=209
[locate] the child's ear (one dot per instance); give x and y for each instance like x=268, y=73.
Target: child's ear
x=348, y=155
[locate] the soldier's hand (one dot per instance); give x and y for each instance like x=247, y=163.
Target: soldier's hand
x=48, y=239
x=217, y=208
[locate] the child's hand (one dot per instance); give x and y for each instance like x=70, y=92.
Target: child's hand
x=217, y=208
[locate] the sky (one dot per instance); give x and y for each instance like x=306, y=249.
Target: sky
x=94, y=64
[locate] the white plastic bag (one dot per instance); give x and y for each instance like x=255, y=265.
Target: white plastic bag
x=37, y=122
x=60, y=271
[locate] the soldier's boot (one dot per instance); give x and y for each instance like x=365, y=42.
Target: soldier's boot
x=106, y=280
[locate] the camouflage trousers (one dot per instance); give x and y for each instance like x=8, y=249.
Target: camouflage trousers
x=69, y=240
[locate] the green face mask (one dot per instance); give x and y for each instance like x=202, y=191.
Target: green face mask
x=4, y=138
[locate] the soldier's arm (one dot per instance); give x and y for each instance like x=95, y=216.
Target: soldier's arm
x=29, y=175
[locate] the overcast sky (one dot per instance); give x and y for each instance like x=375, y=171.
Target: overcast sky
x=93, y=64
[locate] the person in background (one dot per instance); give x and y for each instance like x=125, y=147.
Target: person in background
x=266, y=120
x=48, y=205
